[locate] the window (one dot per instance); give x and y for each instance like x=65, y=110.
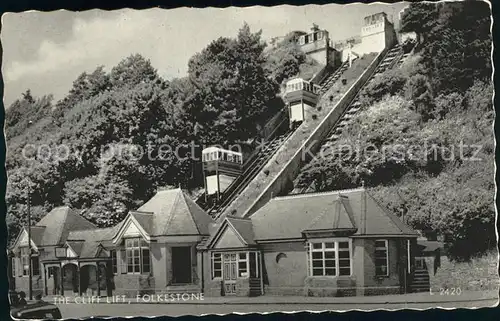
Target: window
x=35, y=263
x=216, y=265
x=138, y=258
x=344, y=258
x=235, y=264
x=381, y=258
x=146, y=261
x=13, y=266
x=24, y=261
x=330, y=258
x=114, y=261
x=242, y=264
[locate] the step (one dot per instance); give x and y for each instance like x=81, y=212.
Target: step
x=345, y=122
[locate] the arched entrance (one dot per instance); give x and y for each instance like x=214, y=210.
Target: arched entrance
x=53, y=275
x=96, y=279
x=87, y=277
x=70, y=277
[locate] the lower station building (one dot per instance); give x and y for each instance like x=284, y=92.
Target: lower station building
x=322, y=244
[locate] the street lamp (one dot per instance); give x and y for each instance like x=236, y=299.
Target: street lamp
x=30, y=282
x=30, y=271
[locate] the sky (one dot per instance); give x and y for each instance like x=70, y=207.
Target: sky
x=46, y=51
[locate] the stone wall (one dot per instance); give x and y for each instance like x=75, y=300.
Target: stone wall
x=476, y=275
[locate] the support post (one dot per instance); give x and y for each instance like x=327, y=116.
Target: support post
x=30, y=268
x=46, y=291
x=79, y=280
x=98, y=272
x=62, y=278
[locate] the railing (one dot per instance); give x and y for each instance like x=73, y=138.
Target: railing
x=341, y=118
x=279, y=181
x=250, y=161
x=242, y=181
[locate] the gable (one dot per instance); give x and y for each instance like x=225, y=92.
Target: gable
x=228, y=239
x=101, y=252
x=132, y=230
x=70, y=252
x=23, y=240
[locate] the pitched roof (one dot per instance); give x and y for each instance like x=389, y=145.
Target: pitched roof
x=76, y=246
x=55, y=226
x=37, y=234
x=173, y=213
x=287, y=217
x=59, y=222
x=90, y=240
x=244, y=228
x=335, y=217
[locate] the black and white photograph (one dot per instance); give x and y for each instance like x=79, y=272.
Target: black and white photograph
x=197, y=161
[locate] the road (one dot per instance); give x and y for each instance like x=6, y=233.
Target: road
x=122, y=310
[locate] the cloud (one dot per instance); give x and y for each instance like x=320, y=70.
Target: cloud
x=91, y=41
x=167, y=37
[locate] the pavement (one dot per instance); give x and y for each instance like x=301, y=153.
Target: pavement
x=200, y=299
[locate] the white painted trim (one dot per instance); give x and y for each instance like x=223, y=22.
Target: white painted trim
x=125, y=225
x=386, y=255
x=335, y=249
x=18, y=239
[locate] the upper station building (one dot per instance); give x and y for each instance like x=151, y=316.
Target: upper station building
x=316, y=44
x=376, y=34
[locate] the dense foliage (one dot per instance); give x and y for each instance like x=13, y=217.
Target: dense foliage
x=423, y=141
x=111, y=141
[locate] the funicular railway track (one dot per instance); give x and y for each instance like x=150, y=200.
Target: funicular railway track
x=392, y=57
x=251, y=167
x=251, y=170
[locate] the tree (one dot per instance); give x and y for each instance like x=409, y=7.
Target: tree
x=84, y=87
x=133, y=70
x=233, y=91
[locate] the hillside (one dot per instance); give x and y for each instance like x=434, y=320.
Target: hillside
x=111, y=141
x=424, y=139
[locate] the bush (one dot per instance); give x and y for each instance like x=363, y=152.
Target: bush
x=389, y=83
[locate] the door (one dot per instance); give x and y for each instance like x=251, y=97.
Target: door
x=181, y=265
x=229, y=273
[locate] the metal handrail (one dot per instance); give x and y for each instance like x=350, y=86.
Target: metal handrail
x=334, y=127
x=223, y=206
